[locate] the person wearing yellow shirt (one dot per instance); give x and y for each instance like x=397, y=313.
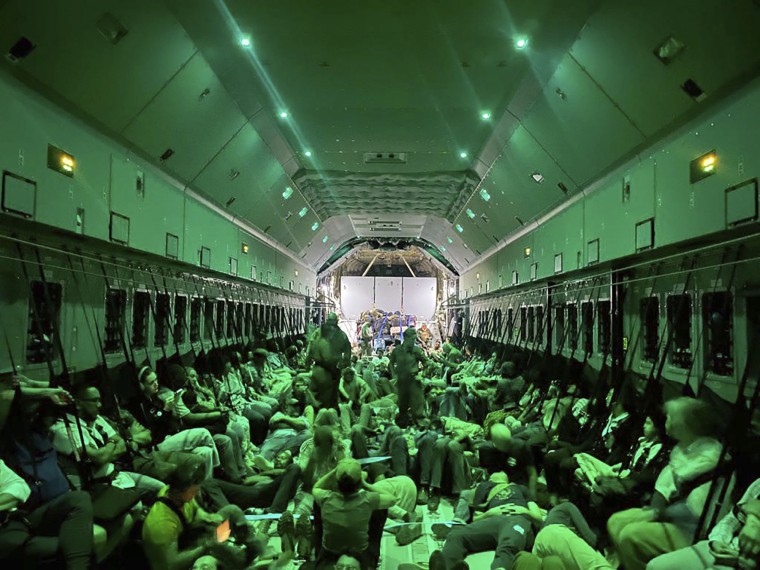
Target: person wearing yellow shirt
x=167, y=527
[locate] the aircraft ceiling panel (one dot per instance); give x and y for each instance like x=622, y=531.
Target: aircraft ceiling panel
x=617, y=49
x=109, y=82
x=192, y=115
x=578, y=125
x=243, y=170
x=339, y=230
x=513, y=191
x=474, y=235
x=437, y=232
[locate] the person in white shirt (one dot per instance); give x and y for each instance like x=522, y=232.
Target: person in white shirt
x=102, y=443
x=639, y=535
x=733, y=543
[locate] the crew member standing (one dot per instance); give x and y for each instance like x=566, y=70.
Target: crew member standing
x=405, y=363
x=330, y=350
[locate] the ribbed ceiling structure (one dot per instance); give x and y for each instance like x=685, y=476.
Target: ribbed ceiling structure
x=424, y=119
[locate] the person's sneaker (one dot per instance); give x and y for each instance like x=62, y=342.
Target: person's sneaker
x=408, y=534
x=433, y=503
x=422, y=497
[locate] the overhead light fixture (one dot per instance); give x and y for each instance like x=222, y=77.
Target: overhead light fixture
x=287, y=193
x=303, y=212
x=477, y=276
x=707, y=164
x=527, y=251
x=244, y=248
x=332, y=248
x=296, y=272
x=324, y=239
x=67, y=163
x=283, y=115
x=703, y=166
x=315, y=226
x=521, y=42
x=485, y=115
x=463, y=154
x=449, y=239
x=459, y=228
x=485, y=195
x=443, y=248
x=245, y=42
x=537, y=177
x=61, y=161
x=307, y=153
x=470, y=214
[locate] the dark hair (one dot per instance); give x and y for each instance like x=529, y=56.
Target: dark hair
x=190, y=470
x=79, y=391
x=348, y=371
x=347, y=485
x=323, y=436
x=143, y=373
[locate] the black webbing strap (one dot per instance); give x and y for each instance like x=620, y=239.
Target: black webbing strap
x=54, y=321
x=734, y=265
x=185, y=323
x=169, y=317
x=594, y=304
x=212, y=329
x=560, y=348
x=126, y=345
x=751, y=371
x=655, y=374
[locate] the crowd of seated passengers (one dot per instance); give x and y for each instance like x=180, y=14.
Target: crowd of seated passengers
x=197, y=446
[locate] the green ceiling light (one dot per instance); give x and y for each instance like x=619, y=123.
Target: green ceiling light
x=459, y=228
x=485, y=195
x=245, y=42
x=470, y=214
x=303, y=212
x=324, y=239
x=307, y=153
x=443, y=248
x=485, y=115
x=449, y=240
x=537, y=177
x=332, y=248
x=283, y=114
x=463, y=154
x=521, y=42
x=315, y=226
x=287, y=193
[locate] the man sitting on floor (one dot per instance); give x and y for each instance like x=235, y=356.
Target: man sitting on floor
x=171, y=520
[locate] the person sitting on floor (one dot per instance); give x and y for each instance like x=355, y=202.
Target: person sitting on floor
x=733, y=543
x=168, y=528
x=347, y=505
x=682, y=489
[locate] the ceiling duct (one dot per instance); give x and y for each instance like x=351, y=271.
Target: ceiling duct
x=384, y=158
